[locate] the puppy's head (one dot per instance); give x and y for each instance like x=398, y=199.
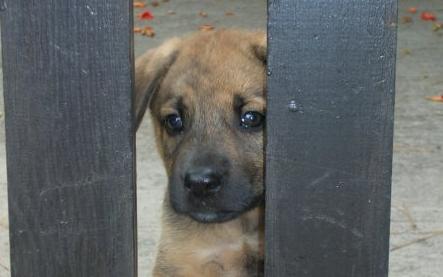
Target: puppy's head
x=206, y=94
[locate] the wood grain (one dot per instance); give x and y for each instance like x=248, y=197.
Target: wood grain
x=68, y=75
x=331, y=67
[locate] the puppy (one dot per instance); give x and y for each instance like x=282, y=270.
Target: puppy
x=206, y=95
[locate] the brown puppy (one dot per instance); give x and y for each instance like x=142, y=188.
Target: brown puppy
x=206, y=93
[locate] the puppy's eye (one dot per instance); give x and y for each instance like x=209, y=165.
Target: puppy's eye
x=173, y=124
x=252, y=119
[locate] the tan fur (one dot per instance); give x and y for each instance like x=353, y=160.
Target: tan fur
x=225, y=249
x=207, y=70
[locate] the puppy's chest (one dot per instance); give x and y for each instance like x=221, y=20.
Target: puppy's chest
x=241, y=258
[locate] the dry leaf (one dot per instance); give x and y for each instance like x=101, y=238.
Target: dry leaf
x=437, y=26
x=412, y=9
x=146, y=15
x=406, y=19
x=138, y=4
x=148, y=31
x=229, y=13
x=155, y=3
x=171, y=12
x=405, y=51
x=206, y=27
x=436, y=98
x=428, y=16
x=203, y=14
x=137, y=30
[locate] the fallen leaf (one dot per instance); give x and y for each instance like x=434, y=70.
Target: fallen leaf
x=206, y=27
x=406, y=19
x=437, y=26
x=138, y=4
x=203, y=14
x=137, y=30
x=428, y=16
x=155, y=3
x=436, y=98
x=171, y=12
x=146, y=15
x=148, y=31
x=229, y=13
x=412, y=9
x=405, y=51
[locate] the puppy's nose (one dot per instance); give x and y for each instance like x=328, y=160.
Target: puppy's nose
x=202, y=181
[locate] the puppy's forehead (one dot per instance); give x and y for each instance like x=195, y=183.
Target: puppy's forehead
x=214, y=68
x=218, y=91
x=230, y=73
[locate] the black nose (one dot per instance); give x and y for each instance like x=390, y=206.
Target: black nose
x=202, y=181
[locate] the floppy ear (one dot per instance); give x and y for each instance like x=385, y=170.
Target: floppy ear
x=150, y=68
x=259, y=45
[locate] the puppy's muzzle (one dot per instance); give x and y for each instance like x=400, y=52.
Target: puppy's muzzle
x=202, y=181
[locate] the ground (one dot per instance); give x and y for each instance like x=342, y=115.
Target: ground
x=417, y=195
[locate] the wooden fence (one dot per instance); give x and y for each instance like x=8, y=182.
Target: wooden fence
x=331, y=67
x=68, y=72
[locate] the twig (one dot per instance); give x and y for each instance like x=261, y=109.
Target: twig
x=434, y=234
x=431, y=232
x=4, y=267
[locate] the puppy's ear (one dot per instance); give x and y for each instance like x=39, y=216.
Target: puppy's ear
x=259, y=45
x=150, y=69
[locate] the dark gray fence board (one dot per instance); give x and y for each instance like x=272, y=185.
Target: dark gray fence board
x=329, y=151
x=70, y=138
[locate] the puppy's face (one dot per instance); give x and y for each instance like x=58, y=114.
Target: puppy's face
x=208, y=110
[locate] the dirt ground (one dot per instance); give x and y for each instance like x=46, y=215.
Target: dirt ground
x=417, y=196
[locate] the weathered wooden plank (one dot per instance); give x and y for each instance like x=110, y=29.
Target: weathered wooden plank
x=329, y=137
x=70, y=137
